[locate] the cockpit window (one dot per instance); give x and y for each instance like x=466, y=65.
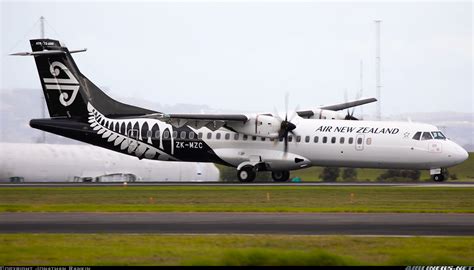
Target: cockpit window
x=417, y=136
x=426, y=136
x=438, y=135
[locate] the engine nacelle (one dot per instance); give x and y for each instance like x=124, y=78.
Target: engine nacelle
x=324, y=114
x=261, y=125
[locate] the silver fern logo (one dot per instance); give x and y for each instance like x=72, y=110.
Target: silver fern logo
x=67, y=88
x=118, y=133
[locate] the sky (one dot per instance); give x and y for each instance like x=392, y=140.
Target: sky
x=244, y=56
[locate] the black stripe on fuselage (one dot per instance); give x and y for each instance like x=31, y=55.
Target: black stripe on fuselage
x=195, y=150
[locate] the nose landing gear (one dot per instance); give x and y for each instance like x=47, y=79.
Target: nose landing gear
x=438, y=175
x=280, y=176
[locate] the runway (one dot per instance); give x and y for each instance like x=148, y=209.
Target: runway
x=241, y=223
x=230, y=184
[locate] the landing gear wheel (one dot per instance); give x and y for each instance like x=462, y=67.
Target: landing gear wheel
x=246, y=174
x=280, y=176
x=438, y=177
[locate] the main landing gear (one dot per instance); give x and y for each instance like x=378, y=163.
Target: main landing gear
x=248, y=173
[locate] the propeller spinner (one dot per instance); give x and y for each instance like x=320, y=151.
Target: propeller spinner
x=285, y=125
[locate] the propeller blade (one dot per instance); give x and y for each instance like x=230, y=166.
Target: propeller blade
x=276, y=115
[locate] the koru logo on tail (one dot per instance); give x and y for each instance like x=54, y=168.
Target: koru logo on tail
x=64, y=86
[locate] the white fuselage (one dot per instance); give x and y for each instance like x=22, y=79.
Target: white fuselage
x=370, y=144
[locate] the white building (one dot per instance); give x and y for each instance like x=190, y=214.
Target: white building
x=68, y=163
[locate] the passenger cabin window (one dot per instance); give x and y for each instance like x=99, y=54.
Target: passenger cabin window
x=209, y=135
x=298, y=138
x=157, y=134
x=227, y=136
x=306, y=139
x=333, y=140
x=236, y=136
x=245, y=137
x=200, y=135
x=182, y=135
x=218, y=136
x=351, y=140
x=254, y=138
x=290, y=138
x=316, y=139
x=191, y=135
x=368, y=141
x=341, y=140
x=359, y=140
x=166, y=134
x=325, y=139
x=426, y=136
x=263, y=139
x=417, y=136
x=438, y=135
x=175, y=134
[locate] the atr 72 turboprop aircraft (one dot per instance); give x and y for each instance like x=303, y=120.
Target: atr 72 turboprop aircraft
x=322, y=136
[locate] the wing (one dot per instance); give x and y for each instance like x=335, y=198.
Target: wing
x=337, y=107
x=350, y=104
x=216, y=121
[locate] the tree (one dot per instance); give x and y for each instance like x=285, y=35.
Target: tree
x=393, y=174
x=330, y=174
x=349, y=174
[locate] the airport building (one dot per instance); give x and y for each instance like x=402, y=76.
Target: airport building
x=22, y=162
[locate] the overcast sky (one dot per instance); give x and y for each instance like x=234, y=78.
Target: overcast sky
x=244, y=56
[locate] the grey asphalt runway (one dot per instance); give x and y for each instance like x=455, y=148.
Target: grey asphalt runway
x=218, y=184
x=241, y=223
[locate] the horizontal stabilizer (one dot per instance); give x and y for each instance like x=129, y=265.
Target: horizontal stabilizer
x=46, y=52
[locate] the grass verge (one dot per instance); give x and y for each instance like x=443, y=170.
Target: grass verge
x=238, y=199
x=153, y=249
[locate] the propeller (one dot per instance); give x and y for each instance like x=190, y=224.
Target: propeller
x=350, y=115
x=286, y=126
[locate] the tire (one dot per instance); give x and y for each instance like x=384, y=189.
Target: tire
x=280, y=176
x=246, y=174
x=438, y=177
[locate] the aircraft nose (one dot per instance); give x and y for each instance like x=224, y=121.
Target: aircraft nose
x=460, y=155
x=463, y=155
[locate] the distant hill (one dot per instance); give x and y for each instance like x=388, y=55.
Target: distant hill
x=18, y=106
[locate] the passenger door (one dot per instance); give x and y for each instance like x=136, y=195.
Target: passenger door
x=359, y=142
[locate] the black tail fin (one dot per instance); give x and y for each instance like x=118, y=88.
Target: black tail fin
x=67, y=91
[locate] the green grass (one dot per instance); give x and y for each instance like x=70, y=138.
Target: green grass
x=238, y=199
x=153, y=249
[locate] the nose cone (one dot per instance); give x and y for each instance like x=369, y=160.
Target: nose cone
x=460, y=155
x=463, y=155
